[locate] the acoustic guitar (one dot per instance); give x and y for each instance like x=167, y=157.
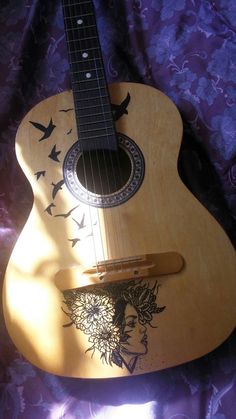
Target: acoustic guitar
x=119, y=270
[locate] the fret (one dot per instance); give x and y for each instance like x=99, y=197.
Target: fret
x=84, y=70
x=80, y=111
x=82, y=45
x=88, y=21
x=95, y=119
x=96, y=61
x=81, y=34
x=75, y=56
x=94, y=48
x=78, y=10
x=82, y=96
x=85, y=27
x=89, y=80
x=91, y=106
x=78, y=16
x=89, y=98
x=95, y=69
x=87, y=130
x=91, y=38
x=84, y=83
x=85, y=59
x=98, y=88
x=79, y=75
x=95, y=137
x=78, y=42
x=77, y=3
x=93, y=92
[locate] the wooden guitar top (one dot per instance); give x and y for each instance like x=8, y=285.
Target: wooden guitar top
x=131, y=288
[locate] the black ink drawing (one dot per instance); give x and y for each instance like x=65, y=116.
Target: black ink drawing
x=67, y=214
x=57, y=187
x=120, y=110
x=115, y=318
x=74, y=241
x=47, y=131
x=40, y=173
x=90, y=234
x=80, y=224
x=66, y=110
x=49, y=208
x=54, y=154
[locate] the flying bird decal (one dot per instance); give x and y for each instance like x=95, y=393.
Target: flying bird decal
x=120, y=110
x=39, y=174
x=54, y=154
x=47, y=131
x=57, y=187
x=81, y=223
x=66, y=110
x=49, y=208
x=67, y=214
x=74, y=241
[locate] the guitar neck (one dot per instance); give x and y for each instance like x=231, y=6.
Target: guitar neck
x=91, y=96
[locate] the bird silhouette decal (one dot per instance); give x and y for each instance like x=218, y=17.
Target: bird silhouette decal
x=47, y=131
x=66, y=110
x=54, y=154
x=90, y=234
x=120, y=110
x=74, y=241
x=67, y=214
x=49, y=208
x=80, y=224
x=57, y=187
x=39, y=174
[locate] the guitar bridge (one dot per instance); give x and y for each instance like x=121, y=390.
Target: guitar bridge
x=144, y=266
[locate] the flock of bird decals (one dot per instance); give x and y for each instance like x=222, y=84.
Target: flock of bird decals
x=118, y=111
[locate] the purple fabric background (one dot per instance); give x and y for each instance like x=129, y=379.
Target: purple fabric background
x=186, y=48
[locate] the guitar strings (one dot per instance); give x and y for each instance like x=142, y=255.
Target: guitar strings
x=107, y=210
x=103, y=115
x=67, y=13
x=75, y=51
x=115, y=227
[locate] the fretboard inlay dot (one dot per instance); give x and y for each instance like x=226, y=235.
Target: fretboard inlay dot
x=80, y=21
x=85, y=55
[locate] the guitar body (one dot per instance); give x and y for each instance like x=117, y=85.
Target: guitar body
x=71, y=323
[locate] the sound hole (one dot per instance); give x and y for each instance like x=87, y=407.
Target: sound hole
x=104, y=179
x=104, y=172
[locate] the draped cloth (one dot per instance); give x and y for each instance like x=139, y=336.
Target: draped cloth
x=187, y=49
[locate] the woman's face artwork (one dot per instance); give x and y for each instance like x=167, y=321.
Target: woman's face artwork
x=115, y=319
x=136, y=332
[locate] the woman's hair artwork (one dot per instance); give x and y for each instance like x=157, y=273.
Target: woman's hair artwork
x=99, y=312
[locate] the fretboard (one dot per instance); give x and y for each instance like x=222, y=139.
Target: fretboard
x=91, y=96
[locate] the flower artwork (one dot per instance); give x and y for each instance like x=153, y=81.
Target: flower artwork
x=115, y=318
